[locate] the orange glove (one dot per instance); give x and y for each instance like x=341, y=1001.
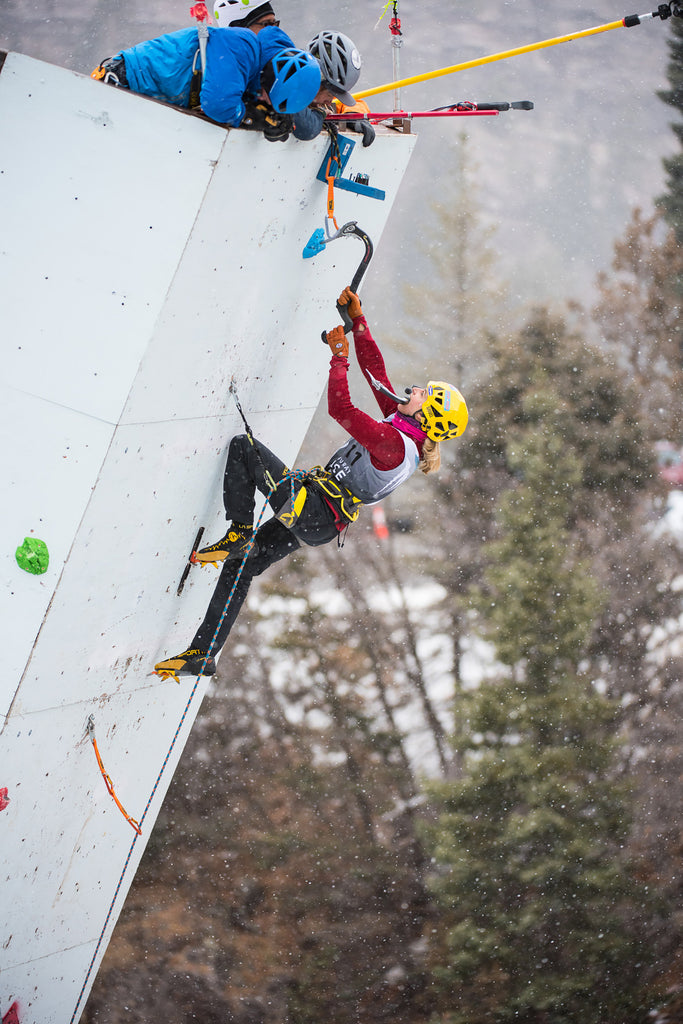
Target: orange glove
x=338, y=341
x=350, y=299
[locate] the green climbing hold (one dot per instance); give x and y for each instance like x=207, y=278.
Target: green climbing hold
x=33, y=556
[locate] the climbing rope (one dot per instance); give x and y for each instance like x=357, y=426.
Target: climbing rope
x=293, y=475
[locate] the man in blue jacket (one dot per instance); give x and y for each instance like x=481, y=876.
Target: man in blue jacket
x=242, y=70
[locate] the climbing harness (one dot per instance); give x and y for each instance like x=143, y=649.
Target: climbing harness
x=346, y=504
x=107, y=781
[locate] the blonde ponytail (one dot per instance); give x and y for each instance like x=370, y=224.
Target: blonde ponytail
x=430, y=459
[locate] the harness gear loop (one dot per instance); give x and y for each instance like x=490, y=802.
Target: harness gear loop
x=107, y=781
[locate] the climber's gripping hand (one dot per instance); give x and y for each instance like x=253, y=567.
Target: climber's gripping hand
x=348, y=307
x=351, y=301
x=337, y=340
x=261, y=118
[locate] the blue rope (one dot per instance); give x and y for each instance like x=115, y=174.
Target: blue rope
x=292, y=475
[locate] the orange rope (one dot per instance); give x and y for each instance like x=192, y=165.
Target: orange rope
x=107, y=781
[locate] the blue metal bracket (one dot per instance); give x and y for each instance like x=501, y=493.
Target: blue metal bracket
x=336, y=167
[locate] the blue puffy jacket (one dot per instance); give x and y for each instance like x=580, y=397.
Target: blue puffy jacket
x=235, y=57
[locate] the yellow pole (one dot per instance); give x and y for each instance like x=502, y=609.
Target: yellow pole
x=487, y=60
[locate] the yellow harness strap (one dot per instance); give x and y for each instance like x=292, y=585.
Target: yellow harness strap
x=291, y=512
x=347, y=503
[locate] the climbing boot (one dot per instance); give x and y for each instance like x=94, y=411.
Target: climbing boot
x=189, y=663
x=232, y=546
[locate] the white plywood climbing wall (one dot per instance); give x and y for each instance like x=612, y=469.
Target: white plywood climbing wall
x=147, y=258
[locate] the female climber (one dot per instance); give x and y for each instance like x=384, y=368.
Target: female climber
x=315, y=506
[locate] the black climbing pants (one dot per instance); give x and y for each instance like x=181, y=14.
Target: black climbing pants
x=247, y=469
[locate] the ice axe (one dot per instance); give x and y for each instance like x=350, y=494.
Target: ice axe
x=351, y=228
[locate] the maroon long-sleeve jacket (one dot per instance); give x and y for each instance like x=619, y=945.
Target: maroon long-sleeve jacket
x=383, y=441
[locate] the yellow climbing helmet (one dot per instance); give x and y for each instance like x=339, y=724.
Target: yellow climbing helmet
x=444, y=411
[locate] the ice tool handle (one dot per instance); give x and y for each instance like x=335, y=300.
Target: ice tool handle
x=346, y=229
x=351, y=228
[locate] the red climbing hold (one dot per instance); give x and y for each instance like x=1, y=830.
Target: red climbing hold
x=12, y=1015
x=4, y=801
x=200, y=12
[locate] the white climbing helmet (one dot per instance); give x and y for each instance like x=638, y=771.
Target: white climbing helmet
x=340, y=63
x=227, y=12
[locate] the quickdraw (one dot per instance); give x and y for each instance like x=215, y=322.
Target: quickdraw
x=196, y=82
x=107, y=781
x=201, y=15
x=335, y=160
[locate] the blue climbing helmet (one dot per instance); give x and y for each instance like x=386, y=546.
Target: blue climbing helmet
x=291, y=79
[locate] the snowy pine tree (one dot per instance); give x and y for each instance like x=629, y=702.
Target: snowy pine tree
x=527, y=845
x=672, y=201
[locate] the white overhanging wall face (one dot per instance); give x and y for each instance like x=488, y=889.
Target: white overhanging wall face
x=147, y=258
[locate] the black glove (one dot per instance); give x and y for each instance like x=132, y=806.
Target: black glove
x=261, y=118
x=361, y=127
x=368, y=132
x=280, y=131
